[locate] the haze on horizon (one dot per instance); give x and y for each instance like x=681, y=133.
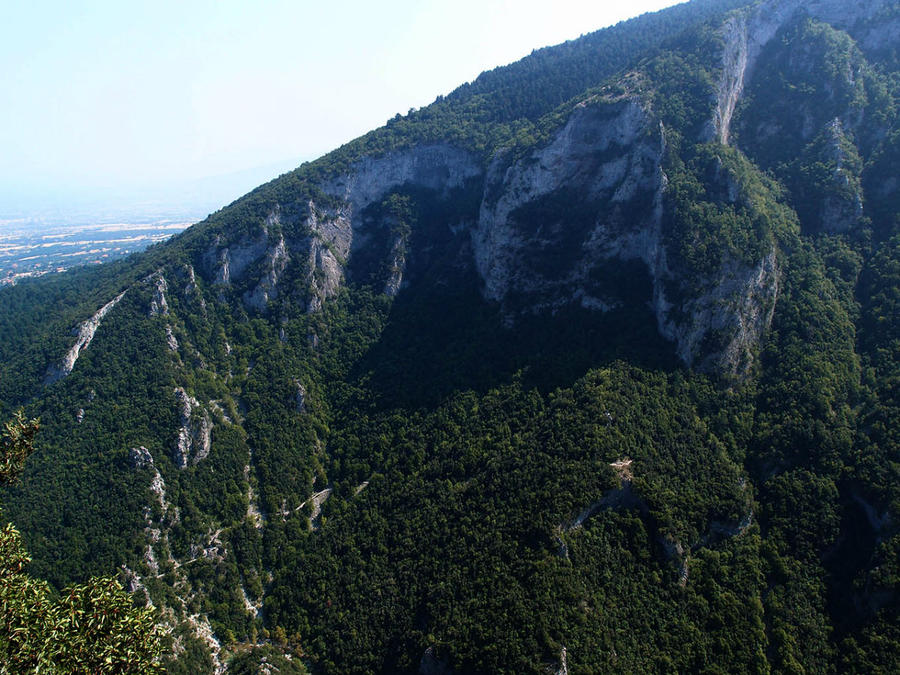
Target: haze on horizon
x=105, y=102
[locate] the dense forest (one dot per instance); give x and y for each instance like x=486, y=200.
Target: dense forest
x=593, y=365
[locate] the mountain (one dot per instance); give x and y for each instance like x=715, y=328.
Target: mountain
x=590, y=365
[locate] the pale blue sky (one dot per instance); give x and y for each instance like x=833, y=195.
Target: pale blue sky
x=122, y=93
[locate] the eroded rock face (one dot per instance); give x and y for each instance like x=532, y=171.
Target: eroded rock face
x=300, y=397
x=786, y=119
x=441, y=168
x=140, y=457
x=191, y=292
x=194, y=439
x=329, y=234
x=737, y=305
x=267, y=287
x=327, y=252
x=590, y=198
x=338, y=233
x=171, y=340
x=396, y=266
x=229, y=262
x=568, y=202
x=594, y=195
x=159, y=306
x=746, y=32
x=84, y=333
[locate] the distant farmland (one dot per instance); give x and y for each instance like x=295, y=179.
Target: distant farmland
x=28, y=250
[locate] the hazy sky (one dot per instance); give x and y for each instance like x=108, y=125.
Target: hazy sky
x=113, y=93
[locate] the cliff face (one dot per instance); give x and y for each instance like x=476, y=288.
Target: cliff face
x=549, y=225
x=252, y=363
x=548, y=218
x=546, y=226
x=747, y=32
x=814, y=111
x=322, y=235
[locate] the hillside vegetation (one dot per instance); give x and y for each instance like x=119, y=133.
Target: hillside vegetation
x=593, y=365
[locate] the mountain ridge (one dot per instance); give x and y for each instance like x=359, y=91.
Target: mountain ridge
x=480, y=314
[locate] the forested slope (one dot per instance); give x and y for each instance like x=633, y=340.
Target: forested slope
x=590, y=366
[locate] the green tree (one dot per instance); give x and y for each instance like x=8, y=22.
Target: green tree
x=88, y=628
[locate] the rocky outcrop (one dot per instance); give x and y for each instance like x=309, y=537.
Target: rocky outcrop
x=563, y=663
x=316, y=502
x=85, y=333
x=441, y=168
x=191, y=291
x=174, y=610
x=171, y=340
x=746, y=32
x=596, y=193
x=300, y=397
x=329, y=233
x=396, y=266
x=736, y=306
x=159, y=306
x=203, y=630
x=155, y=530
x=255, y=515
x=592, y=196
x=589, y=196
x=194, y=439
x=338, y=233
x=325, y=276
x=228, y=263
x=735, y=58
x=605, y=170
x=267, y=287
x=211, y=548
x=140, y=458
x=329, y=248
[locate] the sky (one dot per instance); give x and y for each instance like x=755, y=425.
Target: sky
x=109, y=97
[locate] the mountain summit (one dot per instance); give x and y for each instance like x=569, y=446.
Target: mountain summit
x=590, y=365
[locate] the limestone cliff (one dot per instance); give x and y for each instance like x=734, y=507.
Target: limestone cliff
x=323, y=235
x=194, y=438
x=746, y=32
x=609, y=159
x=591, y=195
x=84, y=334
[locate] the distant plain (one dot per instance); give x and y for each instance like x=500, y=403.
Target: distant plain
x=29, y=249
